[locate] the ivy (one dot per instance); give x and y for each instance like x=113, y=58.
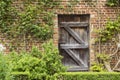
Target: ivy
x=111, y=29
x=113, y=3
x=33, y=21
x=110, y=33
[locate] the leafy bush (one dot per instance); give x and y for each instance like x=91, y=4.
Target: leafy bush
x=52, y=59
x=41, y=65
x=36, y=52
x=5, y=71
x=30, y=64
x=96, y=67
x=34, y=65
x=21, y=75
x=88, y=76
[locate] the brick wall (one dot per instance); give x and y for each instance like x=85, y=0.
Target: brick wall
x=99, y=14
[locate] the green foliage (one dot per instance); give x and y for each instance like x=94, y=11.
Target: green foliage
x=21, y=76
x=73, y=2
x=35, y=52
x=52, y=59
x=35, y=18
x=100, y=66
x=89, y=76
x=112, y=3
x=33, y=65
x=36, y=64
x=97, y=67
x=108, y=34
x=30, y=64
x=112, y=28
x=5, y=71
x=32, y=21
x=103, y=57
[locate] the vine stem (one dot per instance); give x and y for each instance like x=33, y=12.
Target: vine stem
x=116, y=52
x=99, y=25
x=25, y=49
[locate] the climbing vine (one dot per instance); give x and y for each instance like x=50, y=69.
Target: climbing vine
x=29, y=20
x=113, y=3
x=34, y=19
x=110, y=33
x=111, y=29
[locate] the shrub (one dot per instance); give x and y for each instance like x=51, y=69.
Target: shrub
x=96, y=67
x=36, y=52
x=5, y=70
x=41, y=65
x=88, y=76
x=52, y=59
x=21, y=76
x=30, y=64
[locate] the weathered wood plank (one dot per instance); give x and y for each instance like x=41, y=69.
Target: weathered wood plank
x=73, y=46
x=77, y=60
x=74, y=35
x=74, y=24
x=78, y=68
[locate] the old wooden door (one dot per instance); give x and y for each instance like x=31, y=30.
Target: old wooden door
x=74, y=45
